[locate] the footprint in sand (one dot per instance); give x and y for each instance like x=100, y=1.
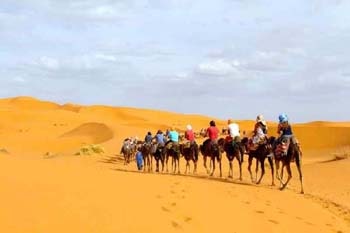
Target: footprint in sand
x=176, y=225
x=165, y=209
x=273, y=221
x=187, y=219
x=309, y=223
x=259, y=211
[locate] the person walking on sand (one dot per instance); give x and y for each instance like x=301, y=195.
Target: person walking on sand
x=139, y=159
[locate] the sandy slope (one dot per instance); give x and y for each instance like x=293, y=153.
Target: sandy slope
x=66, y=193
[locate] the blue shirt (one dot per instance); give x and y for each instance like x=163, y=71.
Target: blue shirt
x=174, y=136
x=148, y=138
x=160, y=138
x=287, y=131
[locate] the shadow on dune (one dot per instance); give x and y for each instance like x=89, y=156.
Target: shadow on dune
x=113, y=159
x=336, y=158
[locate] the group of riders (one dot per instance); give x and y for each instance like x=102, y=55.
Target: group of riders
x=259, y=136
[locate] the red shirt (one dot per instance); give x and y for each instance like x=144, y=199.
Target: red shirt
x=189, y=135
x=213, y=132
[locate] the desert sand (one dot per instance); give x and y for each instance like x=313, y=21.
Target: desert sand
x=46, y=187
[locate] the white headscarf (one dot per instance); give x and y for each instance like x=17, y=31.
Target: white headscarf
x=189, y=127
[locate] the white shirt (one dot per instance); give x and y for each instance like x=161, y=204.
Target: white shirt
x=233, y=129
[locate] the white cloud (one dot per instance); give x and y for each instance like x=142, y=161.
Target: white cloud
x=219, y=67
x=105, y=57
x=49, y=63
x=19, y=79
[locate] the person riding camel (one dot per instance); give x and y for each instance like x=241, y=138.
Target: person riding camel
x=212, y=132
x=284, y=128
x=189, y=134
x=259, y=132
x=159, y=137
x=234, y=135
x=173, y=136
x=233, y=131
x=285, y=133
x=126, y=144
x=148, y=138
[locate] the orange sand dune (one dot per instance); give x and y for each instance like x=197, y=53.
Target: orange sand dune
x=45, y=187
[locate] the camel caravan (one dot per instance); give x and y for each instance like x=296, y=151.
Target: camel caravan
x=279, y=151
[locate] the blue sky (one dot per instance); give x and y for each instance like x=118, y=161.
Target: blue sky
x=223, y=58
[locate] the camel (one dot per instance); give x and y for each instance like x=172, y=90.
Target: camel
x=190, y=152
x=158, y=153
x=293, y=154
x=127, y=151
x=172, y=150
x=260, y=154
x=233, y=151
x=147, y=157
x=214, y=152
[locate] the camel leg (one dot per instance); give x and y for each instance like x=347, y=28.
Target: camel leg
x=144, y=164
x=205, y=164
x=212, y=160
x=173, y=164
x=239, y=160
x=230, y=172
x=157, y=165
x=298, y=163
x=256, y=169
x=178, y=165
x=272, y=171
x=279, y=172
x=162, y=159
x=250, y=160
x=162, y=163
x=195, y=167
x=289, y=171
x=187, y=166
x=220, y=167
x=277, y=164
x=166, y=162
x=240, y=169
x=283, y=165
x=262, y=170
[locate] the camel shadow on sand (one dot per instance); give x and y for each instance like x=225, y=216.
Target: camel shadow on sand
x=196, y=176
